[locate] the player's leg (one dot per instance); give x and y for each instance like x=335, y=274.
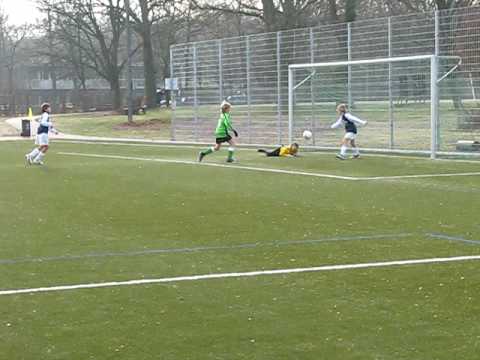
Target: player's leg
x=36, y=150
x=43, y=149
x=231, y=149
x=275, y=152
x=343, y=149
x=216, y=147
x=356, y=151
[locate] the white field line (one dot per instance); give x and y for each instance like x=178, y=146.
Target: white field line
x=419, y=176
x=186, y=162
x=279, y=171
x=241, y=274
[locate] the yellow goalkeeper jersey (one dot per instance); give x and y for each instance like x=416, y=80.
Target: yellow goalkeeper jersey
x=287, y=150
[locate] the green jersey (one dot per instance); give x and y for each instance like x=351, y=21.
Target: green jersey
x=224, y=125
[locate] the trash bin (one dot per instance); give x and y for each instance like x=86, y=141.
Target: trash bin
x=25, y=128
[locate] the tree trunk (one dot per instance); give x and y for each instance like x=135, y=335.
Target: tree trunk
x=333, y=11
x=144, y=29
x=11, y=92
x=269, y=15
x=149, y=70
x=116, y=94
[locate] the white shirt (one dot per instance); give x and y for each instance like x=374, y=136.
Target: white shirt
x=350, y=117
x=45, y=120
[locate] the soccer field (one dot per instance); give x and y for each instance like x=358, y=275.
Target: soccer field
x=114, y=251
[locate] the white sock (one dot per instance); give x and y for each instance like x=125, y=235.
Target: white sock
x=33, y=154
x=343, y=150
x=356, y=151
x=39, y=157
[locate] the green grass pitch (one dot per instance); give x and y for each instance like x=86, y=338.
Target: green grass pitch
x=88, y=220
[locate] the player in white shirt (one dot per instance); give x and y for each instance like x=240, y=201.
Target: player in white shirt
x=36, y=155
x=350, y=123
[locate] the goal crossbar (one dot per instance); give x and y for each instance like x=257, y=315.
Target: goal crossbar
x=371, y=61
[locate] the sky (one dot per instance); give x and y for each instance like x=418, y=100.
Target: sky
x=20, y=11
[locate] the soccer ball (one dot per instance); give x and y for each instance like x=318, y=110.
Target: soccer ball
x=307, y=135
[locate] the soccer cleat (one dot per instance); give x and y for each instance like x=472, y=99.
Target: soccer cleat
x=356, y=156
x=340, y=156
x=201, y=155
x=230, y=160
x=28, y=160
x=38, y=162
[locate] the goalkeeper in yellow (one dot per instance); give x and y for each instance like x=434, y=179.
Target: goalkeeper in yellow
x=290, y=150
x=222, y=135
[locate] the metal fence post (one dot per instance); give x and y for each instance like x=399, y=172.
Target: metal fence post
x=390, y=95
x=290, y=105
x=433, y=105
x=279, y=90
x=312, y=97
x=249, y=115
x=220, y=70
x=349, y=58
x=172, y=100
x=437, y=33
x=437, y=53
x=195, y=95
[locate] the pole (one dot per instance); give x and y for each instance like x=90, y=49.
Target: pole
x=433, y=105
x=220, y=70
x=195, y=92
x=173, y=104
x=390, y=95
x=290, y=105
x=437, y=53
x=349, y=58
x=312, y=90
x=129, y=65
x=249, y=116
x=279, y=91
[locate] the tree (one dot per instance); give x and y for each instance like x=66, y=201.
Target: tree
x=350, y=10
x=95, y=27
x=11, y=39
x=276, y=15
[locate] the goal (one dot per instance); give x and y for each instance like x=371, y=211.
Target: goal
x=401, y=97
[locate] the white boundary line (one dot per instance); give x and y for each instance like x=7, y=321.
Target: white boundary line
x=240, y=274
x=186, y=162
x=280, y=171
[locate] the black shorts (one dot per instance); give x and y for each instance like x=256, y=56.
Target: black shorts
x=223, y=139
x=275, y=152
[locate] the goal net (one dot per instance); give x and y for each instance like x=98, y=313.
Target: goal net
x=401, y=98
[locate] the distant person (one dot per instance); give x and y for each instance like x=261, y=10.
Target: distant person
x=36, y=155
x=222, y=134
x=350, y=123
x=290, y=150
x=404, y=87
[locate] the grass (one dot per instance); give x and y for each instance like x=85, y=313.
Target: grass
x=77, y=205
x=153, y=125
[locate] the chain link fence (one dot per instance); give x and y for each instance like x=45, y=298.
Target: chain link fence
x=252, y=73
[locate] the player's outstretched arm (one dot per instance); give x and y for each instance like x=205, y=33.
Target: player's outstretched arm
x=355, y=119
x=336, y=124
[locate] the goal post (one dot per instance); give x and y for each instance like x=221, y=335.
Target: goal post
x=399, y=96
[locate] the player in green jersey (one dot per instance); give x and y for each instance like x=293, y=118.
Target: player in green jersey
x=222, y=134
